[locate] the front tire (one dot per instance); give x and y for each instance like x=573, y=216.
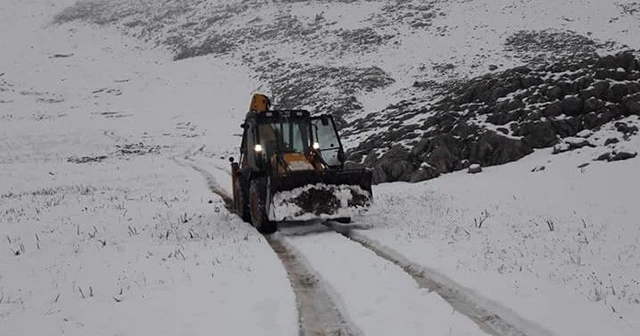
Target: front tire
x=242, y=208
x=258, y=208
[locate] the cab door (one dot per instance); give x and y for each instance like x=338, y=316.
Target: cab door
x=327, y=141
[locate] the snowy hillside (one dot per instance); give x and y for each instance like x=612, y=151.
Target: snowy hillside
x=117, y=118
x=388, y=65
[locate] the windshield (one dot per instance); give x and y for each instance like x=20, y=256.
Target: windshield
x=290, y=134
x=294, y=136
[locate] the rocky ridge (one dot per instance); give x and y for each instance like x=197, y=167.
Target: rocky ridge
x=499, y=118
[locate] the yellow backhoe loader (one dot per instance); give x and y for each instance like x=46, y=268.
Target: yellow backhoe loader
x=291, y=168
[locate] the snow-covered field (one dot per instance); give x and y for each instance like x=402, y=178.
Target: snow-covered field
x=106, y=229
x=102, y=231
x=557, y=246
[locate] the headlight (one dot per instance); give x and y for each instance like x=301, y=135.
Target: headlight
x=316, y=145
x=258, y=148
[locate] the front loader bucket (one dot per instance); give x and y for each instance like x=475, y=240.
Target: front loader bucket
x=306, y=195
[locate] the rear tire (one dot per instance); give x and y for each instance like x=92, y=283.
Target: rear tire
x=241, y=205
x=258, y=208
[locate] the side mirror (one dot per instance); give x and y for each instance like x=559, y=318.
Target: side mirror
x=244, y=125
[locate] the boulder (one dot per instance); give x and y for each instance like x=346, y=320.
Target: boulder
x=424, y=173
x=474, y=169
x=567, y=127
x=602, y=89
x=616, y=156
x=503, y=118
x=554, y=93
x=576, y=143
x=395, y=165
x=607, y=62
x=537, y=134
x=632, y=103
x=553, y=109
x=604, y=157
x=619, y=156
x=442, y=152
x=611, y=141
x=624, y=128
x=572, y=106
x=493, y=149
x=561, y=148
x=585, y=133
x=619, y=90
x=593, y=104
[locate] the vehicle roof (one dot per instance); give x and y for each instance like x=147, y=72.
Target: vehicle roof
x=275, y=114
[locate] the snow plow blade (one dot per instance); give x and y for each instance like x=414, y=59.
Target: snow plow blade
x=307, y=195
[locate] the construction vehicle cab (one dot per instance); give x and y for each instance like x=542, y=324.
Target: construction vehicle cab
x=291, y=167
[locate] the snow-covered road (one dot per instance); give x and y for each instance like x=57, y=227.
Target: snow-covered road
x=377, y=295
x=318, y=312
x=343, y=286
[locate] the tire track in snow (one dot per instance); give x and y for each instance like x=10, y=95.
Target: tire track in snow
x=489, y=316
x=211, y=181
x=380, y=297
x=317, y=313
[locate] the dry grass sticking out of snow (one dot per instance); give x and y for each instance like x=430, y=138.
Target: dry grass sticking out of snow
x=133, y=245
x=102, y=233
